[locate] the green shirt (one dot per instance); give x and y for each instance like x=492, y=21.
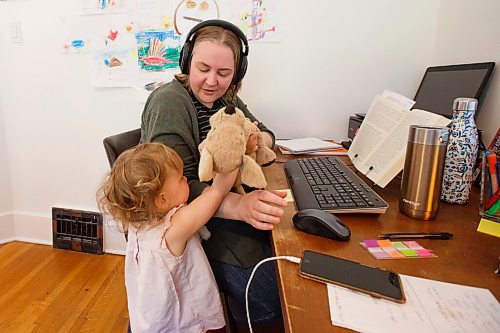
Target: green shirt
x=170, y=117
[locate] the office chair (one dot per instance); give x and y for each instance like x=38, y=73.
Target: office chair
x=116, y=144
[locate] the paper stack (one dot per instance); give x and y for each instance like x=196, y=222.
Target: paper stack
x=431, y=306
x=310, y=146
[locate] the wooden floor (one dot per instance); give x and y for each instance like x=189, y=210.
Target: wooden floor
x=43, y=289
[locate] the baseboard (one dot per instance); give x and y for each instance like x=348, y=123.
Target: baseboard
x=7, y=240
x=7, y=228
x=117, y=252
x=34, y=241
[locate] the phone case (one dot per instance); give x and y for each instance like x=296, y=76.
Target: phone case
x=366, y=291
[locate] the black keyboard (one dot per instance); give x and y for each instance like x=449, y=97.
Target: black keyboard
x=328, y=184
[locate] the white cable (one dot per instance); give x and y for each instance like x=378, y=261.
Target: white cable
x=289, y=258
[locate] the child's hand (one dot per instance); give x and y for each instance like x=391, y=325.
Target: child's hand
x=252, y=141
x=224, y=181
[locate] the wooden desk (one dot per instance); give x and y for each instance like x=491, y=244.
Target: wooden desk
x=469, y=258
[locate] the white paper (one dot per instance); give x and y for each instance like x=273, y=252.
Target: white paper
x=306, y=144
x=431, y=306
x=403, y=100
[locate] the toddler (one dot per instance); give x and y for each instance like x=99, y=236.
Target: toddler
x=170, y=286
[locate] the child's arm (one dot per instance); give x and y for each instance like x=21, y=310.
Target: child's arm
x=189, y=219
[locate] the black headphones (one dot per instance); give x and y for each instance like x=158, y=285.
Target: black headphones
x=187, y=48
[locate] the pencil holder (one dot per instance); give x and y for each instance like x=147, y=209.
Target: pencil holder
x=490, y=184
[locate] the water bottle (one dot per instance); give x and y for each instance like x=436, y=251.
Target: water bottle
x=461, y=152
x=423, y=171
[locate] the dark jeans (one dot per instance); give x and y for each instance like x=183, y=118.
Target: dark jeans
x=263, y=297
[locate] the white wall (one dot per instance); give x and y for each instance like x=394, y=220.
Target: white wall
x=7, y=230
x=334, y=58
x=469, y=31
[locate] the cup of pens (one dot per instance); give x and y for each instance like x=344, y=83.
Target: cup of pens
x=490, y=193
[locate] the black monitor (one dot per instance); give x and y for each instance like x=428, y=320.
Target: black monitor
x=442, y=84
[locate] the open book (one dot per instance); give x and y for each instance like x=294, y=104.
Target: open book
x=378, y=150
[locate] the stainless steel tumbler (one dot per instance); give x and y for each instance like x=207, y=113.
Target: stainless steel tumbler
x=423, y=171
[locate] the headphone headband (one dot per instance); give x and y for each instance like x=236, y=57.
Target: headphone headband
x=187, y=48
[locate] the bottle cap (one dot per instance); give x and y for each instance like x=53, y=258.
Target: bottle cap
x=465, y=104
x=428, y=135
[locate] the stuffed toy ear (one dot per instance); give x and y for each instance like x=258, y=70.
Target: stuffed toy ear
x=251, y=173
x=205, y=169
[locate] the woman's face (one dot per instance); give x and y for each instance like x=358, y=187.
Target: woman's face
x=211, y=71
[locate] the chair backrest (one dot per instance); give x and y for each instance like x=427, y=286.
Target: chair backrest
x=116, y=144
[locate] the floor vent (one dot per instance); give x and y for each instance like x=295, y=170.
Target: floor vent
x=77, y=230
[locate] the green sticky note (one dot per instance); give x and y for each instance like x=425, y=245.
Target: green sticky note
x=399, y=245
x=409, y=252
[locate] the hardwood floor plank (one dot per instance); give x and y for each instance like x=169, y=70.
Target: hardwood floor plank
x=43, y=289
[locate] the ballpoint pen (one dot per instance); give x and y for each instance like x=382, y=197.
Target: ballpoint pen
x=416, y=235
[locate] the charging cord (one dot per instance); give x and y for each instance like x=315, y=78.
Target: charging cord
x=289, y=258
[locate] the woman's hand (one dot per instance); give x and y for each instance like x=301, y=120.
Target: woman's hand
x=258, y=208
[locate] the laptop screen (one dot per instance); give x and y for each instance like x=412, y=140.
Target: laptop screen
x=442, y=84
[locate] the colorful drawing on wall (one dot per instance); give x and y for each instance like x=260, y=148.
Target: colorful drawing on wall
x=258, y=24
x=93, y=33
x=93, y=7
x=188, y=13
x=115, y=67
x=137, y=42
x=158, y=50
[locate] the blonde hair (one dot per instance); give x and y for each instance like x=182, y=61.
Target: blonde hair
x=224, y=37
x=129, y=191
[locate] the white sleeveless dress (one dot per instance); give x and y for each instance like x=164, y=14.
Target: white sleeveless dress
x=166, y=293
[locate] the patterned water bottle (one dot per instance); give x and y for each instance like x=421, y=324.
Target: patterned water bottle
x=461, y=152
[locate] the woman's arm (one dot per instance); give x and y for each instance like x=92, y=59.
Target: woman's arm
x=257, y=208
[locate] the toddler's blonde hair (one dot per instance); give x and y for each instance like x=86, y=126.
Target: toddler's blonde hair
x=129, y=191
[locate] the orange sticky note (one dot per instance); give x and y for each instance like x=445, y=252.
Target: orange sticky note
x=384, y=243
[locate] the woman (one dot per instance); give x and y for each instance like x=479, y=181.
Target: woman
x=213, y=62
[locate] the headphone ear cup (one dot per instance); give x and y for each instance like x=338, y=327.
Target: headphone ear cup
x=242, y=69
x=184, y=58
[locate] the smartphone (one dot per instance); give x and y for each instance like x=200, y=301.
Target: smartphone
x=374, y=281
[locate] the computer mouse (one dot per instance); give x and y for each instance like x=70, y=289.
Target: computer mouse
x=320, y=223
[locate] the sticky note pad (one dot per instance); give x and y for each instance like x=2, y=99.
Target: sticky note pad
x=378, y=253
x=385, y=249
x=371, y=243
x=424, y=253
x=289, y=196
x=399, y=245
x=384, y=243
x=393, y=252
x=409, y=253
x=413, y=245
x=489, y=227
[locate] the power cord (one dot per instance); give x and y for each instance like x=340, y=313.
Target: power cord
x=289, y=258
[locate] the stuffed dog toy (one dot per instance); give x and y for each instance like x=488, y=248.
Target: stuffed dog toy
x=224, y=150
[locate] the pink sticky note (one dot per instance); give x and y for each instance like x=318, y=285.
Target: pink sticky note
x=413, y=245
x=425, y=253
x=371, y=243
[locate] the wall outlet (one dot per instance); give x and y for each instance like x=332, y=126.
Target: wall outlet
x=16, y=36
